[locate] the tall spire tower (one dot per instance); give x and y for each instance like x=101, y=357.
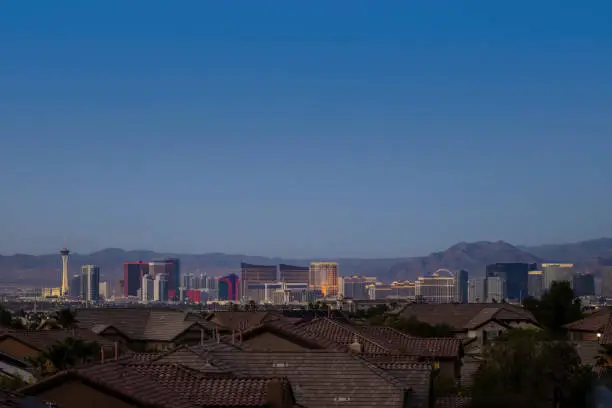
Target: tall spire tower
x=65, y=286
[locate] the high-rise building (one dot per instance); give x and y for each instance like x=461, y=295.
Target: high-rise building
x=90, y=283
x=535, y=284
x=258, y=273
x=157, y=267
x=293, y=274
x=104, y=290
x=229, y=287
x=324, y=276
x=132, y=277
x=477, y=290
x=160, y=288
x=584, y=284
x=461, y=280
x=496, y=289
x=188, y=281
x=173, y=270
x=435, y=288
x=516, y=276
x=606, y=282
x=556, y=272
x=355, y=288
x=250, y=273
x=147, y=289
x=75, y=286
x=65, y=284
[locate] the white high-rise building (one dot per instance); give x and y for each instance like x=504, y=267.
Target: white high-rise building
x=496, y=289
x=146, y=289
x=160, y=288
x=558, y=273
x=477, y=290
x=104, y=290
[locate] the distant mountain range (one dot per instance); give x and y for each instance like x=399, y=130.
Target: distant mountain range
x=590, y=256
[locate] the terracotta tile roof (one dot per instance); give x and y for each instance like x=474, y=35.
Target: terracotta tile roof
x=460, y=315
x=483, y=316
x=453, y=402
x=300, y=334
x=42, y=339
x=321, y=379
x=390, y=361
x=141, y=323
x=592, y=323
x=143, y=357
x=196, y=357
x=241, y=320
x=204, y=391
x=381, y=340
x=342, y=334
x=606, y=336
x=588, y=351
x=9, y=399
x=170, y=385
x=418, y=379
x=130, y=321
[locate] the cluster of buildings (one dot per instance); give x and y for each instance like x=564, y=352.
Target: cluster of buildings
x=278, y=357
x=85, y=286
x=155, y=281
x=162, y=281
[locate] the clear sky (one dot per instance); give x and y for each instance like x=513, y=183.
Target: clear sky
x=317, y=128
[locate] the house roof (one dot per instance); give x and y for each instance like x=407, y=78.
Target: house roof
x=320, y=378
x=463, y=316
x=195, y=357
x=453, y=402
x=381, y=340
x=595, y=322
x=287, y=329
x=606, y=337
x=417, y=378
x=41, y=339
x=142, y=324
x=168, y=385
x=241, y=320
x=588, y=351
x=12, y=400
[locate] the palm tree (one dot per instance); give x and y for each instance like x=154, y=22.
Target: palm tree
x=66, y=318
x=64, y=355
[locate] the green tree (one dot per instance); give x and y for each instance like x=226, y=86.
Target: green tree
x=63, y=355
x=6, y=317
x=557, y=307
x=527, y=368
x=417, y=328
x=17, y=323
x=66, y=318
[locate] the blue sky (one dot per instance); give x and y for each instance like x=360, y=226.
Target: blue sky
x=298, y=129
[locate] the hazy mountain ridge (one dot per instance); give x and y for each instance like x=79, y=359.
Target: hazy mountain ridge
x=588, y=255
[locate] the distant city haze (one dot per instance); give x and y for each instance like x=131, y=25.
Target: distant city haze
x=303, y=129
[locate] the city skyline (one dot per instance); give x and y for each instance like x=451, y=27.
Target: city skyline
x=397, y=131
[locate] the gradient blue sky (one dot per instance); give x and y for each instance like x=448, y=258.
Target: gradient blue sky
x=319, y=128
